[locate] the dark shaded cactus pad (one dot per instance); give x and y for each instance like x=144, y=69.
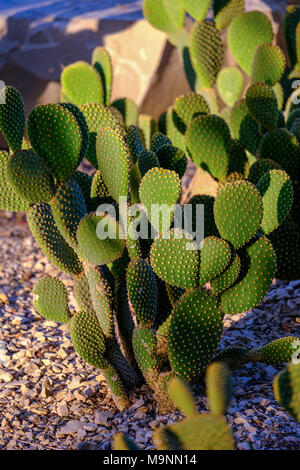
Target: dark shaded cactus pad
x=286, y=388
x=12, y=117
x=142, y=291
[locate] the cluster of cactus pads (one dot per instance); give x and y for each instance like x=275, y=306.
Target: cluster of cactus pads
x=149, y=309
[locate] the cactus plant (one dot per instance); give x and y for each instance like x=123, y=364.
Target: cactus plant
x=154, y=305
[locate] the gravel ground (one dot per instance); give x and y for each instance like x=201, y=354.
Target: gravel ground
x=50, y=399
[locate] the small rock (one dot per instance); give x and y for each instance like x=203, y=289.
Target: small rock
x=6, y=376
x=71, y=427
x=102, y=417
x=62, y=409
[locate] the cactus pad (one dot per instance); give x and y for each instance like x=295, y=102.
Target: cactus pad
x=227, y=278
x=142, y=291
x=286, y=388
x=12, y=117
x=262, y=104
x=276, y=191
x=44, y=229
x=9, y=199
x=246, y=32
x=101, y=62
x=29, y=177
x=257, y=272
x=206, y=49
x=230, y=84
x=128, y=110
x=243, y=204
x=215, y=255
x=50, y=299
x=95, y=250
x=268, y=64
x=163, y=15
x=218, y=387
x=225, y=11
x=113, y=161
x=172, y=158
x=160, y=187
x=244, y=127
x=74, y=80
x=208, y=141
x=181, y=396
x=173, y=262
x=195, y=328
x=54, y=133
x=279, y=351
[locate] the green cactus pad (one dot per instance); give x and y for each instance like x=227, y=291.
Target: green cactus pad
x=48, y=237
x=286, y=242
x=68, y=208
x=87, y=338
x=282, y=147
x=225, y=11
x=96, y=116
x=246, y=32
x=244, y=127
x=173, y=262
x=233, y=356
x=101, y=61
x=200, y=432
x=74, y=80
x=262, y=104
x=276, y=190
x=113, y=161
x=197, y=10
x=208, y=141
x=243, y=204
x=164, y=15
x=100, y=251
x=160, y=188
x=182, y=397
x=268, y=64
x=9, y=199
x=172, y=158
x=227, y=278
x=230, y=84
x=102, y=299
x=286, y=388
x=257, y=272
x=195, y=328
x=128, y=110
x=54, y=133
x=12, y=117
x=147, y=160
x=218, y=387
x=29, y=177
x=215, y=255
x=134, y=142
x=148, y=127
x=50, y=299
x=280, y=351
x=186, y=108
x=82, y=293
x=206, y=49
x=142, y=291
x=291, y=21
